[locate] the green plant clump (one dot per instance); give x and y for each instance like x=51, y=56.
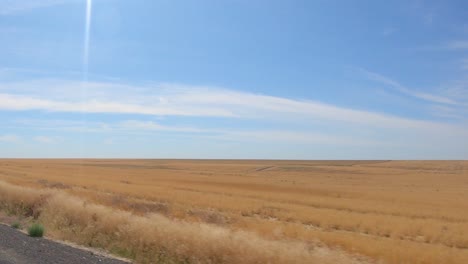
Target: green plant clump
x=16, y=225
x=36, y=230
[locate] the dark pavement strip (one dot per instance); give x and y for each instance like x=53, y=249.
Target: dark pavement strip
x=18, y=248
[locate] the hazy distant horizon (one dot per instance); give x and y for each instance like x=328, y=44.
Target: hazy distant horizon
x=227, y=159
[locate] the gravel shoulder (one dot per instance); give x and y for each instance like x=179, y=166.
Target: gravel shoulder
x=18, y=248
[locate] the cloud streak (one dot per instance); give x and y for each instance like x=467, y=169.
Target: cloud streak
x=45, y=139
x=9, y=138
x=214, y=114
x=396, y=85
x=189, y=101
x=339, y=136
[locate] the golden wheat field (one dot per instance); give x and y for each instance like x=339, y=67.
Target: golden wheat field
x=255, y=211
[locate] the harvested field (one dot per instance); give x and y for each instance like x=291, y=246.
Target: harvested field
x=321, y=211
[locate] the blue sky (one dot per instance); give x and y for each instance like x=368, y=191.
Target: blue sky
x=234, y=79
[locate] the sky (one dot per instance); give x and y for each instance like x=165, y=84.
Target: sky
x=234, y=79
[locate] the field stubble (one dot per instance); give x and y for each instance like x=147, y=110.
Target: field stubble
x=387, y=211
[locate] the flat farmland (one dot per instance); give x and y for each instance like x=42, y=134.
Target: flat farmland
x=341, y=211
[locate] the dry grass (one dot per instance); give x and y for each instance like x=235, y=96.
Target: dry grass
x=392, y=212
x=152, y=238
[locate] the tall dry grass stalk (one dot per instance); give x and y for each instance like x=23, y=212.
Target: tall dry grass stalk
x=153, y=238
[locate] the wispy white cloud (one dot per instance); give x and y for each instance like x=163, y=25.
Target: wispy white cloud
x=416, y=94
x=448, y=112
x=9, y=138
x=153, y=126
x=183, y=100
x=46, y=139
x=337, y=136
x=256, y=135
x=458, y=89
x=21, y=102
x=297, y=137
x=147, y=128
x=109, y=141
x=139, y=109
x=77, y=125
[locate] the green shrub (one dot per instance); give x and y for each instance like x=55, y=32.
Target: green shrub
x=16, y=225
x=36, y=230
